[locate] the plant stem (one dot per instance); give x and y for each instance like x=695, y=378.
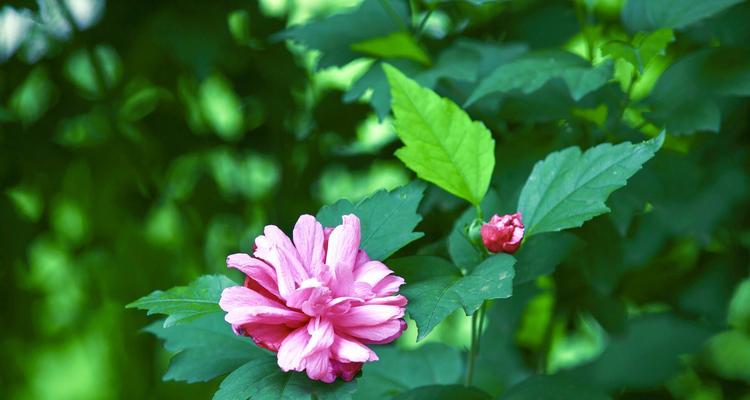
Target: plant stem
x=471, y=355
x=422, y=24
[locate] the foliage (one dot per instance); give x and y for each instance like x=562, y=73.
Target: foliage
x=143, y=142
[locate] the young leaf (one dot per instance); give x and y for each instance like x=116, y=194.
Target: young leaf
x=398, y=370
x=184, y=303
x=387, y=218
x=649, y=15
x=530, y=72
x=205, y=347
x=395, y=45
x=642, y=49
x=569, y=188
x=442, y=144
x=262, y=379
x=435, y=288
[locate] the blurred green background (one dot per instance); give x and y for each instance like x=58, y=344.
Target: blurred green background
x=143, y=141
x=139, y=145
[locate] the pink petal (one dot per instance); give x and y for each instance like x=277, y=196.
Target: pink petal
x=343, y=244
x=276, y=249
x=378, y=334
x=321, y=336
x=267, y=336
x=398, y=300
x=290, y=351
x=369, y=315
x=256, y=269
x=318, y=366
x=349, y=350
x=388, y=286
x=371, y=272
x=240, y=296
x=308, y=239
x=264, y=315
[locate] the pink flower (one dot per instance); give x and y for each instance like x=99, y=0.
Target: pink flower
x=317, y=299
x=503, y=234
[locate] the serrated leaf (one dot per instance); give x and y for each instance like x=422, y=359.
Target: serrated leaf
x=442, y=144
x=435, y=287
x=206, y=348
x=530, y=72
x=184, y=303
x=335, y=35
x=394, y=45
x=552, y=387
x=444, y=392
x=262, y=379
x=569, y=187
x=649, y=15
x=387, y=218
x=398, y=370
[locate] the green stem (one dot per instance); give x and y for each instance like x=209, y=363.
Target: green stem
x=472, y=353
x=422, y=24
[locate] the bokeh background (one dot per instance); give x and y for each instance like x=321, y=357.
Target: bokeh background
x=142, y=141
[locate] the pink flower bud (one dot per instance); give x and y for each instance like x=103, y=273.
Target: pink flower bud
x=503, y=234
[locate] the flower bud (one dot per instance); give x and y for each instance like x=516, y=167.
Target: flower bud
x=503, y=234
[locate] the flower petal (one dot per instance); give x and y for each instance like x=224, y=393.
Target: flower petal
x=371, y=272
x=277, y=249
x=378, y=334
x=265, y=315
x=321, y=336
x=350, y=350
x=290, y=351
x=343, y=245
x=369, y=315
x=388, y=286
x=239, y=296
x=308, y=239
x=255, y=269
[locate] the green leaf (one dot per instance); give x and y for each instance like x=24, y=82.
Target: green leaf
x=399, y=370
x=184, y=303
x=739, y=307
x=658, y=338
x=530, y=72
x=689, y=95
x=540, y=254
x=728, y=355
x=442, y=144
x=394, y=45
x=206, y=348
x=335, y=35
x=552, y=387
x=387, y=218
x=569, y=188
x=649, y=15
x=435, y=287
x=262, y=379
x=444, y=392
x=642, y=49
